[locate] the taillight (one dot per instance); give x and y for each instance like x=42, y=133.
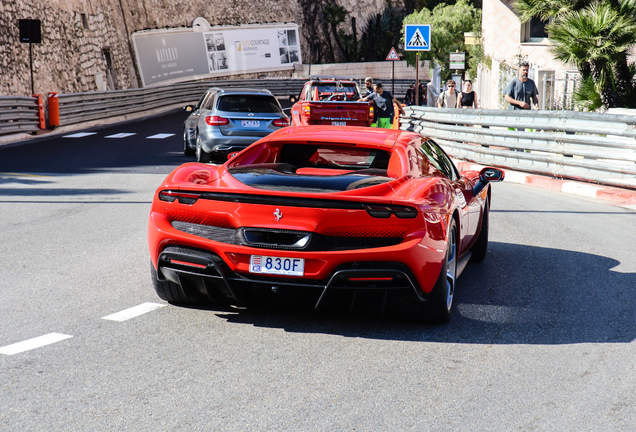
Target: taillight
x=371, y=113
x=183, y=197
x=281, y=122
x=384, y=211
x=307, y=111
x=216, y=121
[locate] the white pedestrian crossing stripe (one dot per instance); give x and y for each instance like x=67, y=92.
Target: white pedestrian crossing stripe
x=133, y=312
x=33, y=343
x=121, y=135
x=159, y=136
x=80, y=135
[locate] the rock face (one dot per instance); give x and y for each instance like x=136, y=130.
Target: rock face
x=86, y=44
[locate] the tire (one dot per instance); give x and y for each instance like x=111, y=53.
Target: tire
x=202, y=155
x=439, y=302
x=480, y=247
x=187, y=150
x=172, y=292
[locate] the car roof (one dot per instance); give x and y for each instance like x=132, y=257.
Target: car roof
x=375, y=137
x=250, y=91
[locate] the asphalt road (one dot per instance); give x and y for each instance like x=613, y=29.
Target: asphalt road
x=542, y=336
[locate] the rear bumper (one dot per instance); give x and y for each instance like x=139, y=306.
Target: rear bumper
x=202, y=273
x=412, y=265
x=215, y=141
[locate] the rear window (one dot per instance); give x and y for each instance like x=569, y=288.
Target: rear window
x=334, y=91
x=329, y=156
x=249, y=103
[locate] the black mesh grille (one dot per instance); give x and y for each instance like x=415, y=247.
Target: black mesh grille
x=316, y=243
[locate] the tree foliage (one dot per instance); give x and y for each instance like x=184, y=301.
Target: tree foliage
x=448, y=24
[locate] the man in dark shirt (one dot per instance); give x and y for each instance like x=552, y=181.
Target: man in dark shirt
x=384, y=100
x=521, y=91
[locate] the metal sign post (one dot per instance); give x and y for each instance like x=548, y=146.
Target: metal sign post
x=30, y=33
x=418, y=38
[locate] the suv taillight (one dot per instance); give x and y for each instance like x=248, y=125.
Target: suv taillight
x=216, y=121
x=307, y=111
x=371, y=113
x=281, y=122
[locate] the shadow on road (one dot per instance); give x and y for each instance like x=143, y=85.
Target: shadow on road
x=518, y=295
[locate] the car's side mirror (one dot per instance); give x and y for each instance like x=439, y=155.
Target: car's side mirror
x=188, y=108
x=490, y=174
x=487, y=175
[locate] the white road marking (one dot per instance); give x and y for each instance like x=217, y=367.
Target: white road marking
x=33, y=343
x=133, y=312
x=159, y=136
x=80, y=135
x=121, y=135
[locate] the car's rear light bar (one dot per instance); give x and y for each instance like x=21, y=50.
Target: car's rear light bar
x=183, y=197
x=384, y=211
x=281, y=122
x=216, y=121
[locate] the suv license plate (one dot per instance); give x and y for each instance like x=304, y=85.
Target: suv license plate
x=333, y=123
x=277, y=265
x=250, y=123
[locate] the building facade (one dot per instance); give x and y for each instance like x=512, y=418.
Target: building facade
x=507, y=41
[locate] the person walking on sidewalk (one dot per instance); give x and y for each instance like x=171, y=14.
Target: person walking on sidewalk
x=522, y=91
x=448, y=98
x=468, y=97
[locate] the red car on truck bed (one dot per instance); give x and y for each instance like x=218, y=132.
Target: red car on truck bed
x=331, y=102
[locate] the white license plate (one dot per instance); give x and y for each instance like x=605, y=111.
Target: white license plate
x=338, y=123
x=277, y=265
x=250, y=123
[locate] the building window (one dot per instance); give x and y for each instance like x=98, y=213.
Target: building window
x=534, y=30
x=84, y=21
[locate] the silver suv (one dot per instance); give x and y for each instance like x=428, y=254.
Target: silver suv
x=226, y=121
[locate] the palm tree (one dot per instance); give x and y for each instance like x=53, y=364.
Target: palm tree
x=597, y=39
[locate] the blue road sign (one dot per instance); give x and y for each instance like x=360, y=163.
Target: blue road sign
x=417, y=37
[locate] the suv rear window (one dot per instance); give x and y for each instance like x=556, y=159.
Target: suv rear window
x=249, y=103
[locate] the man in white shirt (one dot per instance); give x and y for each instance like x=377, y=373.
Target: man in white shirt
x=448, y=99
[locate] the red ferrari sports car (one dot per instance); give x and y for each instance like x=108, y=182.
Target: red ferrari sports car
x=347, y=216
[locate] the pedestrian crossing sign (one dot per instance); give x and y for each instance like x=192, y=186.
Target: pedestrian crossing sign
x=417, y=37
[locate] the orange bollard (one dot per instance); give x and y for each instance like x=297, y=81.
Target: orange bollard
x=41, y=119
x=54, y=109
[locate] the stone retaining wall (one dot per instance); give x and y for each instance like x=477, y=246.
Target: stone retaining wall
x=75, y=34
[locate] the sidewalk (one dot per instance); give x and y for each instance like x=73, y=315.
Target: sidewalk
x=620, y=196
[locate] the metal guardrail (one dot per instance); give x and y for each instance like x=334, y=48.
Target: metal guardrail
x=18, y=114
x=81, y=107
x=599, y=148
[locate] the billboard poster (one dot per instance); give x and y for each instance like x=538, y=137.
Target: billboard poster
x=166, y=55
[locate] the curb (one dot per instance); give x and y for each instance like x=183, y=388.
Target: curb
x=606, y=193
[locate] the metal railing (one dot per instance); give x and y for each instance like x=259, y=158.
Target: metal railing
x=599, y=148
x=18, y=114
x=82, y=107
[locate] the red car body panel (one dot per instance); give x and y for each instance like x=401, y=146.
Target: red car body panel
x=410, y=181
